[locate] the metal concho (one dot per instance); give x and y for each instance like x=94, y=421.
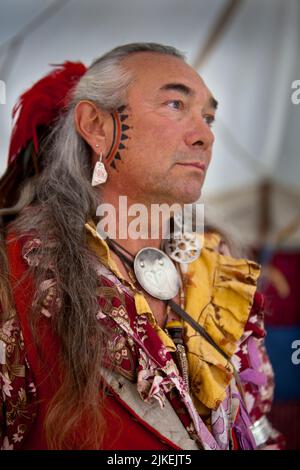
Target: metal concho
x=156, y=273
x=185, y=249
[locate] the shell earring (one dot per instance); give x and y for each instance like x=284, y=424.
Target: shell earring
x=100, y=173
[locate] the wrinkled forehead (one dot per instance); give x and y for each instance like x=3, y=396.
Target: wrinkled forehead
x=151, y=71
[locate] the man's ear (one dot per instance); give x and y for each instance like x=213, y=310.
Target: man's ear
x=93, y=125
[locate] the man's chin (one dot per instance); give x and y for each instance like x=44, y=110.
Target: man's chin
x=190, y=195
x=182, y=194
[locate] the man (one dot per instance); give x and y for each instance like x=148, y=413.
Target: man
x=91, y=357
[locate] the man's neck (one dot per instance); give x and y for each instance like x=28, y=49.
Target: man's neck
x=134, y=230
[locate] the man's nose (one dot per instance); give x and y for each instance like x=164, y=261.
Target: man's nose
x=199, y=134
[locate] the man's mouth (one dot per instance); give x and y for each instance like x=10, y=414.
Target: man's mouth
x=198, y=165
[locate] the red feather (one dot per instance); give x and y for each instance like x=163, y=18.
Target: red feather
x=41, y=104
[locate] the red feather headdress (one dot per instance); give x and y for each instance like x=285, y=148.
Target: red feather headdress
x=37, y=108
x=41, y=104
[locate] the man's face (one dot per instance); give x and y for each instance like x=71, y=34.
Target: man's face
x=169, y=143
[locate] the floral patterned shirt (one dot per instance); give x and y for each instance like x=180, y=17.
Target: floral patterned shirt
x=138, y=351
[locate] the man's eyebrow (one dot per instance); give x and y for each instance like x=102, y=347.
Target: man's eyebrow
x=178, y=87
x=213, y=103
x=186, y=90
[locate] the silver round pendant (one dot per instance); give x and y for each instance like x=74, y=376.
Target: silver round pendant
x=184, y=249
x=156, y=273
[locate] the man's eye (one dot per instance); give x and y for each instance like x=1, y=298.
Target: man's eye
x=209, y=119
x=175, y=104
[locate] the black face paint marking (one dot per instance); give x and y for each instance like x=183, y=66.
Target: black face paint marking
x=119, y=135
x=114, y=137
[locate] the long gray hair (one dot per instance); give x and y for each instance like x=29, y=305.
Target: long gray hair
x=56, y=204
